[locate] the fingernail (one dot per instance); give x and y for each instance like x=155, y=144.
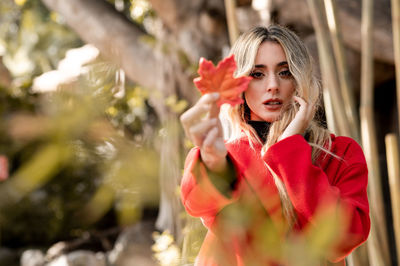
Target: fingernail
x=207, y=107
x=215, y=95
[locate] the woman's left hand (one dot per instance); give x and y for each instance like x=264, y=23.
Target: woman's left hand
x=301, y=121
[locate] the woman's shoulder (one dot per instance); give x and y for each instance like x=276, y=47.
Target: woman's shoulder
x=242, y=144
x=344, y=141
x=347, y=148
x=237, y=143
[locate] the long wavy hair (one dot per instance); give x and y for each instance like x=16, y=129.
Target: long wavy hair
x=307, y=86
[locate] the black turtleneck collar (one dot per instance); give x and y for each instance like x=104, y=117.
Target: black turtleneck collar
x=261, y=127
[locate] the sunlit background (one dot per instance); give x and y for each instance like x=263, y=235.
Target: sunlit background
x=91, y=148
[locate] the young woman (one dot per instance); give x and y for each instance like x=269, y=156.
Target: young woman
x=266, y=185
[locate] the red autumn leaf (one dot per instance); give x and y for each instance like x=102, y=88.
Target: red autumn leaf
x=220, y=79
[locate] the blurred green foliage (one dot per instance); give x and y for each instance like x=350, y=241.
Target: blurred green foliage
x=85, y=156
x=79, y=155
x=33, y=40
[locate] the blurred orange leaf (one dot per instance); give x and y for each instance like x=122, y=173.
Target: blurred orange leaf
x=3, y=167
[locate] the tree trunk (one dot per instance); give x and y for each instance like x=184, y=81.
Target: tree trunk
x=118, y=39
x=5, y=76
x=190, y=29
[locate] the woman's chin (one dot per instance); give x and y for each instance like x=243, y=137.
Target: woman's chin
x=266, y=116
x=270, y=117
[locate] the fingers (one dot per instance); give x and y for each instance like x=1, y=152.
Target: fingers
x=211, y=100
x=199, y=132
x=199, y=109
x=301, y=101
x=208, y=98
x=214, y=142
x=214, y=151
x=208, y=142
x=193, y=116
x=203, y=127
x=301, y=120
x=306, y=110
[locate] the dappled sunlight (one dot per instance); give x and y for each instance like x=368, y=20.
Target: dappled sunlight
x=165, y=250
x=92, y=148
x=68, y=69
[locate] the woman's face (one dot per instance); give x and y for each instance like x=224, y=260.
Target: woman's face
x=272, y=87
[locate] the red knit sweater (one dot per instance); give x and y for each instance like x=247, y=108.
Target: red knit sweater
x=249, y=225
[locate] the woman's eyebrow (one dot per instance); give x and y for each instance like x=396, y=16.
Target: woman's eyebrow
x=283, y=63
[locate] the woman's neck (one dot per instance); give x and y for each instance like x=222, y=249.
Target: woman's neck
x=261, y=128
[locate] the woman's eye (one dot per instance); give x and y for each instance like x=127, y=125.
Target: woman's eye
x=256, y=75
x=285, y=74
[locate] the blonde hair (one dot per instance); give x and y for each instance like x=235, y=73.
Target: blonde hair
x=307, y=87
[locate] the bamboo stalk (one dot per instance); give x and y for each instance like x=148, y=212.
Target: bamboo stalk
x=378, y=243
x=230, y=8
x=358, y=257
x=392, y=156
x=342, y=69
x=330, y=117
x=396, y=46
x=327, y=64
x=367, y=72
x=330, y=80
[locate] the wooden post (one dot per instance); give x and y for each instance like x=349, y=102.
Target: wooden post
x=396, y=46
x=330, y=116
x=342, y=69
x=327, y=64
x=378, y=243
x=392, y=156
x=230, y=8
x=394, y=172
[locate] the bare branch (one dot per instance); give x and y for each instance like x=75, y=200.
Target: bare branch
x=118, y=39
x=197, y=26
x=172, y=12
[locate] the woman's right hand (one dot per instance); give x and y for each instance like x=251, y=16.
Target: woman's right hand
x=203, y=127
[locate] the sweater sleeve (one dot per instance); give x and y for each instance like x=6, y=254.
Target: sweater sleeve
x=309, y=187
x=200, y=197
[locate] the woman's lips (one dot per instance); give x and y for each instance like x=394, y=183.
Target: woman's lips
x=273, y=104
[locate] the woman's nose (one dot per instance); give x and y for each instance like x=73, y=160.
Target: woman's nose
x=273, y=84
